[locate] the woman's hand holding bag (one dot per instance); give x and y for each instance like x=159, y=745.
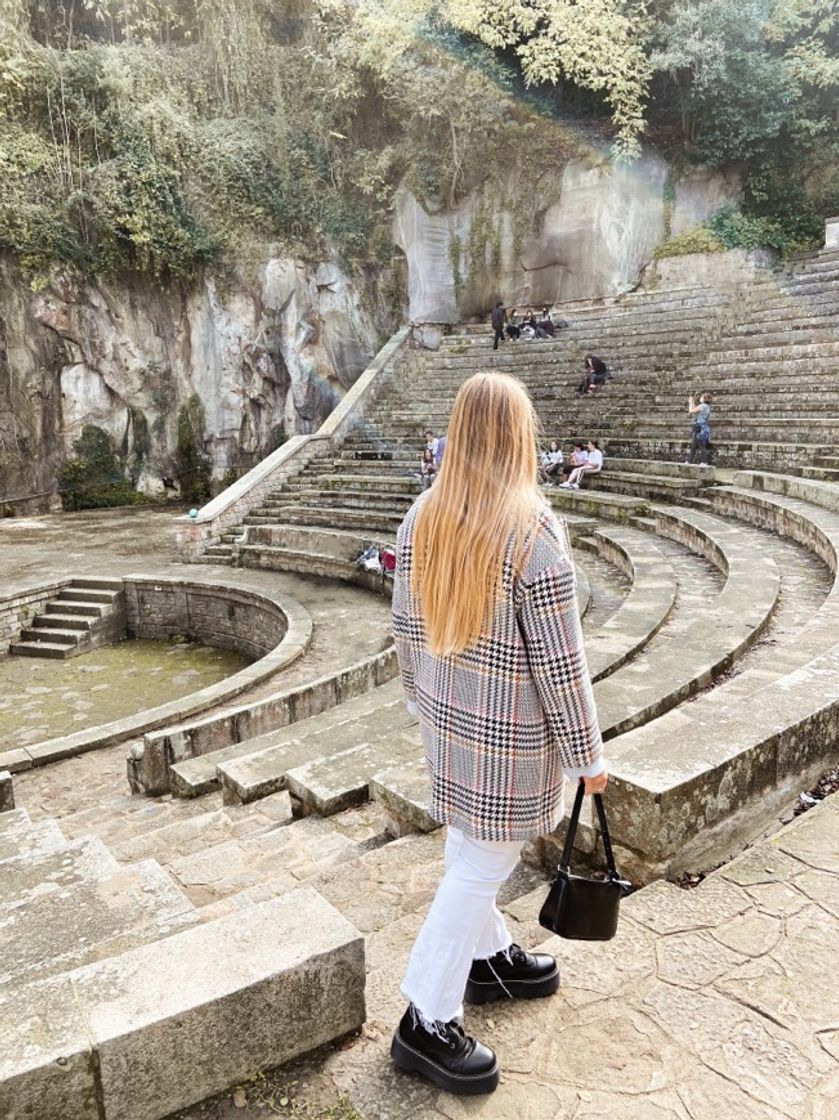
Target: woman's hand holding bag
x=579, y=908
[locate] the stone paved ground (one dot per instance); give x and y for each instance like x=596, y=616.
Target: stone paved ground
x=719, y=1003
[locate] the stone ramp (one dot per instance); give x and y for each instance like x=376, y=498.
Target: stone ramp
x=709, y=1004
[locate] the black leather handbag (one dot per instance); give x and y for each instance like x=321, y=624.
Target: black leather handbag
x=579, y=908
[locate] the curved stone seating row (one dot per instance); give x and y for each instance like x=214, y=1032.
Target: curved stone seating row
x=330, y=771
x=741, y=753
x=651, y=598
x=256, y=766
x=325, y=761
x=692, y=651
x=150, y=766
x=817, y=529
x=748, y=597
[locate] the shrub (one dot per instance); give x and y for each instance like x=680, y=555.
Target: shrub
x=93, y=478
x=699, y=239
x=194, y=469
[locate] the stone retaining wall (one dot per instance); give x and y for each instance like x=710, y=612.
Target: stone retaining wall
x=18, y=608
x=218, y=615
x=274, y=629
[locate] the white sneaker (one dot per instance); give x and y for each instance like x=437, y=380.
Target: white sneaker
x=565, y=485
x=574, y=485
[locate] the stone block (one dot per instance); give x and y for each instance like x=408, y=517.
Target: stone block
x=7, y=792
x=179, y=1020
x=46, y=1067
x=81, y=861
x=403, y=791
x=340, y=779
x=21, y=837
x=50, y=932
x=831, y=233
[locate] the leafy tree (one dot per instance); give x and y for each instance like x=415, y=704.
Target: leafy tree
x=732, y=94
x=598, y=45
x=94, y=478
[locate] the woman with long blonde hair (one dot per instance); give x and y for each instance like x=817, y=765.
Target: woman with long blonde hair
x=490, y=649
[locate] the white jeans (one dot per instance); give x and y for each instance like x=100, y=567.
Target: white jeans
x=462, y=925
x=578, y=472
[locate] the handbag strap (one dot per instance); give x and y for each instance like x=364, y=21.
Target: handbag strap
x=565, y=859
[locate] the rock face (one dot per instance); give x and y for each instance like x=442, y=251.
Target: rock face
x=584, y=233
x=275, y=344
x=274, y=347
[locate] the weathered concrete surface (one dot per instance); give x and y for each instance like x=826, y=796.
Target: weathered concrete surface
x=50, y=931
x=174, y=1021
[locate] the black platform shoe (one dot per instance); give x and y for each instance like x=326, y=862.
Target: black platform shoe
x=447, y=1056
x=510, y=974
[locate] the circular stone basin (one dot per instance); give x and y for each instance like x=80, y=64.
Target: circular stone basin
x=41, y=699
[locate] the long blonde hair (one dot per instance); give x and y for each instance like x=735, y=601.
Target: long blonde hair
x=485, y=495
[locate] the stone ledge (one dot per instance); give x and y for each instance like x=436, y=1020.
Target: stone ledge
x=151, y=772
x=168, y=1024
x=7, y=792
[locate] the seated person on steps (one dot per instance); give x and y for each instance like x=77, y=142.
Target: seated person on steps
x=529, y=325
x=428, y=468
x=513, y=325
x=551, y=462
x=595, y=375
x=576, y=458
x=593, y=465
x=545, y=327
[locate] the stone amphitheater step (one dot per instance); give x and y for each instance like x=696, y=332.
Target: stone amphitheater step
x=701, y=640
x=86, y=920
x=190, y=833
x=340, y=780
x=263, y=866
x=269, y=768
x=302, y=742
x=645, y=485
x=240, y=995
x=651, y=598
x=85, y=614
x=80, y=861
x=22, y=838
x=330, y=517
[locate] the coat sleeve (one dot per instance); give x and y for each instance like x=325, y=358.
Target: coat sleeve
x=401, y=614
x=549, y=622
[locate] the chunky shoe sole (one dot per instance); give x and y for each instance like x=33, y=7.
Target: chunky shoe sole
x=478, y=992
x=412, y=1061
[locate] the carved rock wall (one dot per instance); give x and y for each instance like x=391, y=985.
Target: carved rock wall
x=591, y=229
x=275, y=346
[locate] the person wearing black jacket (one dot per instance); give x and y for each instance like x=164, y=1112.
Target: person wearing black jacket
x=596, y=374
x=497, y=318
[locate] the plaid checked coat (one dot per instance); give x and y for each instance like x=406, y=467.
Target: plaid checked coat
x=505, y=720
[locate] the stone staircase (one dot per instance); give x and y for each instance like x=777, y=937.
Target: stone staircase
x=769, y=354
x=85, y=614
x=109, y=966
